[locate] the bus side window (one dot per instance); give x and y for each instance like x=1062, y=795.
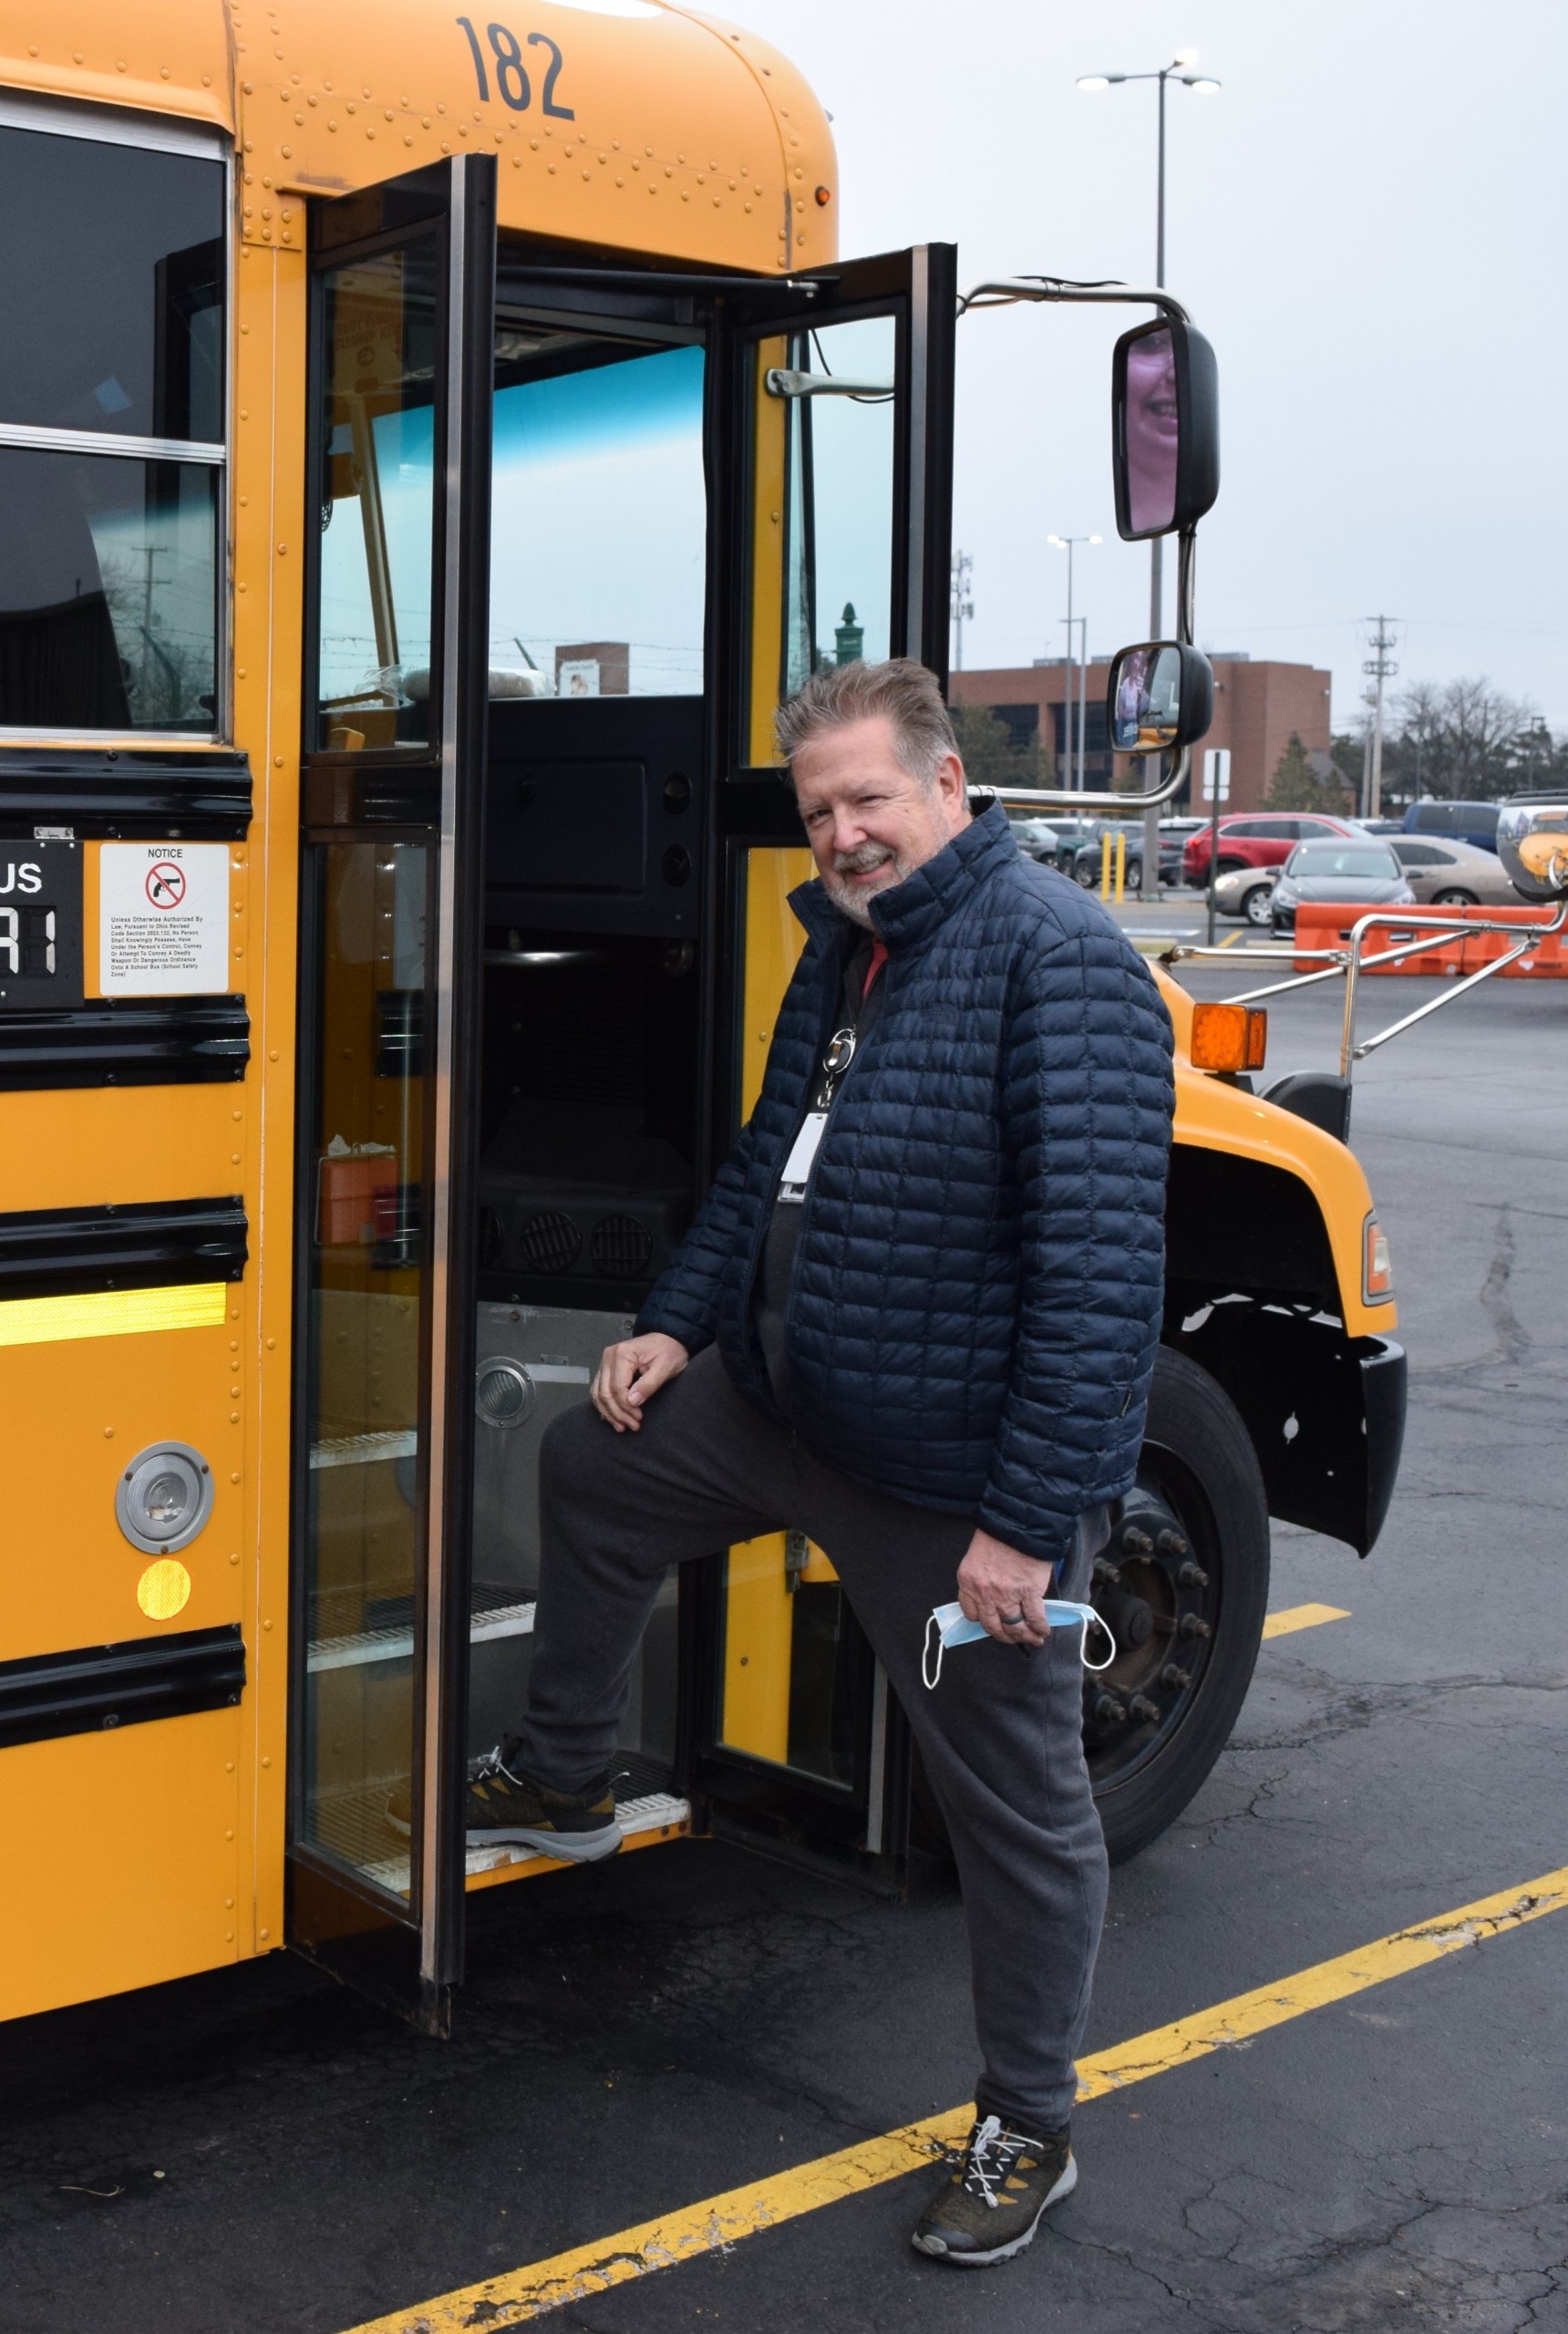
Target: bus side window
x=113, y=300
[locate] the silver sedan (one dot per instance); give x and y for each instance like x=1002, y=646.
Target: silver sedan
x=1246, y=891
x=1451, y=874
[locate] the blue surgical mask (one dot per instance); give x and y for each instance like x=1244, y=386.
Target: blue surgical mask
x=953, y=1625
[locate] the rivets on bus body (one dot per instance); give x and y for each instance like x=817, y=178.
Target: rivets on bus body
x=234, y=1479
x=266, y=1624
x=235, y=1557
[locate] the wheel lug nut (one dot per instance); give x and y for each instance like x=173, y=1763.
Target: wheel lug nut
x=1142, y=1707
x=1104, y=1570
x=1137, y=1543
x=1172, y=1676
x=1109, y=1711
x=1192, y=1576
x=1192, y=1627
x=1172, y=1543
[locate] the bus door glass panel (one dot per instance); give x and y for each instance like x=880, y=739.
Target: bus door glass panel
x=367, y=1300
x=593, y=1034
x=393, y=798
x=113, y=289
x=599, y=532
x=838, y=497
x=377, y=513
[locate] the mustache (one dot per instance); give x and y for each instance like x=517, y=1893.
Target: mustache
x=861, y=861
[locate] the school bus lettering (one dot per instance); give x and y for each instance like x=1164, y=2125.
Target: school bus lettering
x=511, y=79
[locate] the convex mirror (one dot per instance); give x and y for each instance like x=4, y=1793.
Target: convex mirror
x=1159, y=697
x=1165, y=429
x=1533, y=844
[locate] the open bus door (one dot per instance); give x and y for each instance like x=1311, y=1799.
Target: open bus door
x=403, y=278
x=546, y=863
x=841, y=408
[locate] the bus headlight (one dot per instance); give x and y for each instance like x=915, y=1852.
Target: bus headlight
x=1376, y=1270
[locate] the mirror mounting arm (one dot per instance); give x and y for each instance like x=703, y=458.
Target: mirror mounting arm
x=1008, y=290
x=1038, y=798
x=1186, y=584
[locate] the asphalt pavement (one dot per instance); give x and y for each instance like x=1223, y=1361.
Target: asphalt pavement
x=256, y=2150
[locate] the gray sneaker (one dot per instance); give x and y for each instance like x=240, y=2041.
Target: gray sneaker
x=991, y=2205
x=504, y=1807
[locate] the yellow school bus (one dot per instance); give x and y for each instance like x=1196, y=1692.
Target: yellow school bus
x=430, y=447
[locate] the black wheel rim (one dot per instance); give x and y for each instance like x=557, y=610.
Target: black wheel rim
x=1160, y=1587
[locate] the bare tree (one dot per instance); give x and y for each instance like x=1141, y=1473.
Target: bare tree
x=1460, y=739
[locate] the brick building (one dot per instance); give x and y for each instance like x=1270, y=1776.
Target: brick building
x=1256, y=707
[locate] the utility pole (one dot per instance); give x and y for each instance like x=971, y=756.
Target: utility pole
x=1381, y=668
x=963, y=605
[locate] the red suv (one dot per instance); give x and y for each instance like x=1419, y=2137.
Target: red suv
x=1257, y=838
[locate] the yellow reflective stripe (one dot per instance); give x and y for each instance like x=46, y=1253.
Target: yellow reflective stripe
x=111, y=1313
x=516, y=2296
x=1291, y=1617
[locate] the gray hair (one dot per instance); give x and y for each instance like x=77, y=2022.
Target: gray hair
x=900, y=691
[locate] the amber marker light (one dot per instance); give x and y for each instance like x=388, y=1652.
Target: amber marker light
x=824, y=194
x=1377, y=1269
x=1229, y=1038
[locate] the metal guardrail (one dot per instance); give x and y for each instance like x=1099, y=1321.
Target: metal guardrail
x=1351, y=962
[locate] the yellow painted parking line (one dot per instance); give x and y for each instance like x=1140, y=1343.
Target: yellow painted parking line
x=1291, y=1617
x=516, y=2296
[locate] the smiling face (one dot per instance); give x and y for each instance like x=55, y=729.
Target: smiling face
x=869, y=822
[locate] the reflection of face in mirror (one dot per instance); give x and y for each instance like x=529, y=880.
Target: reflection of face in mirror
x=1147, y=699
x=1153, y=433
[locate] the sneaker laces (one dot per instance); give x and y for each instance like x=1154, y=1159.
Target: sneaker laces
x=992, y=2154
x=494, y=1761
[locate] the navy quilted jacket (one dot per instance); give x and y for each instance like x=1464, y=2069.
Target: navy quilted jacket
x=976, y=1290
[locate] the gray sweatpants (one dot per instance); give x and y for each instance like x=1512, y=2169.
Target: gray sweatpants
x=1000, y=1736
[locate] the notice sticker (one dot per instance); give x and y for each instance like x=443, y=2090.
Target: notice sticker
x=163, y=919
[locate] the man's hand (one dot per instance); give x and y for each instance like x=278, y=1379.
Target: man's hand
x=996, y=1584
x=633, y=1370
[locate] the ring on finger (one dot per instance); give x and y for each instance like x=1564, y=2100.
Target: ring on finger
x=1012, y=1620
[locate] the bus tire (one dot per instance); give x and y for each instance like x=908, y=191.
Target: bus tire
x=1199, y=1484
x=1199, y=1489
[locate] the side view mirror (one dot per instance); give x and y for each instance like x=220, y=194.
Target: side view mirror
x=1533, y=844
x=1159, y=697
x=1165, y=429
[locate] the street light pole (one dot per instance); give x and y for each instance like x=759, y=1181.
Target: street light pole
x=1077, y=673
x=1206, y=86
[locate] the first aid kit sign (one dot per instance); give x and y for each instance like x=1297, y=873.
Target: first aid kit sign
x=163, y=919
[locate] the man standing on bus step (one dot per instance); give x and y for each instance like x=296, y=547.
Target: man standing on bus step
x=916, y=1318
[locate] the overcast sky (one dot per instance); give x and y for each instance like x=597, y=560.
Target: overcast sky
x=1367, y=221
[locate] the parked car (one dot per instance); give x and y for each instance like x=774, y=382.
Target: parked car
x=1246, y=891
x=1041, y=838
x=1473, y=823
x=1453, y=874
x=1085, y=859
x=1360, y=872
x=1258, y=839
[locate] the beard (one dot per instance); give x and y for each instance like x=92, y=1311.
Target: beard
x=854, y=901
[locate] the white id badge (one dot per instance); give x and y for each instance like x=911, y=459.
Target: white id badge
x=796, y=1171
